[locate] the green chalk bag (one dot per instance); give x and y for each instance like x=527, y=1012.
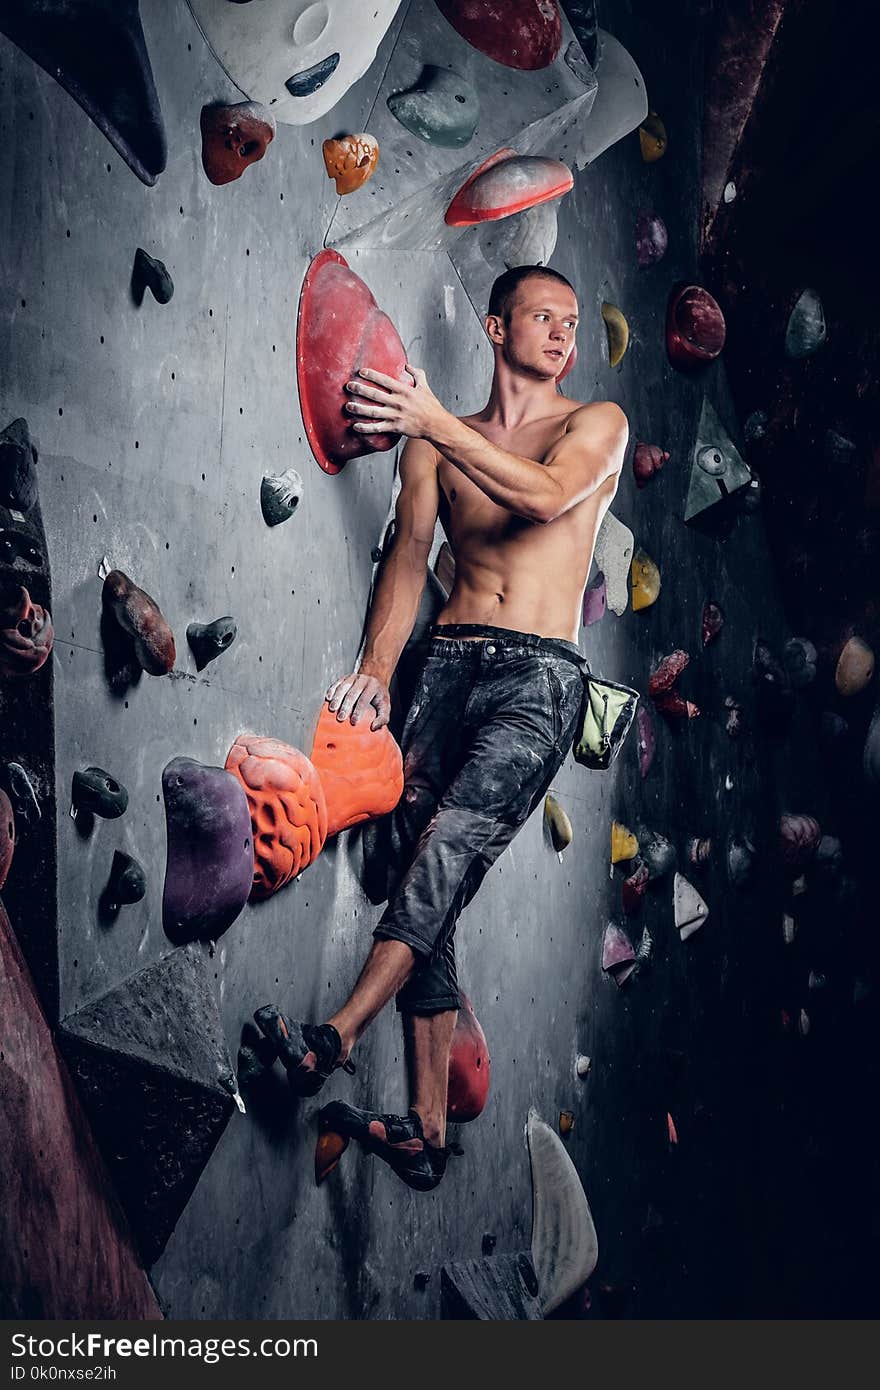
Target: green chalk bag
x=608, y=713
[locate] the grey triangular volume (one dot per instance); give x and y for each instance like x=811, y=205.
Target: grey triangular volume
x=156, y=1079
x=164, y=1015
x=97, y=51
x=717, y=468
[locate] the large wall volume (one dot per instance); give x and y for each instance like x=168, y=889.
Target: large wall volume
x=155, y=424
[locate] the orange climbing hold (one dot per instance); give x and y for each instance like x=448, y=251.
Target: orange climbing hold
x=287, y=805
x=361, y=770
x=351, y=160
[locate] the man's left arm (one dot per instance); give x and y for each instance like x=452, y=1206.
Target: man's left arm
x=589, y=453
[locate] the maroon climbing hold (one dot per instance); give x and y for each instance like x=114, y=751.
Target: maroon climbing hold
x=7, y=835
x=524, y=34
x=507, y=183
x=210, y=866
x=799, y=837
x=652, y=238
x=595, y=601
x=18, y=459
x=712, y=622
x=676, y=706
x=647, y=739
x=234, y=137
x=648, y=459
x=140, y=618
x=695, y=328
x=634, y=889
x=340, y=329
x=666, y=674
x=469, y=1067
x=26, y=634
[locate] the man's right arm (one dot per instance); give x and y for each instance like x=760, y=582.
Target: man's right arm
x=398, y=590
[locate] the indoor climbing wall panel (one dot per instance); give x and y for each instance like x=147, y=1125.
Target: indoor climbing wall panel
x=156, y=424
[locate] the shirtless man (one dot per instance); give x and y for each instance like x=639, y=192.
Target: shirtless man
x=520, y=488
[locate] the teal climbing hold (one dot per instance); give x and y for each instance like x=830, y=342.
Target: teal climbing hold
x=442, y=108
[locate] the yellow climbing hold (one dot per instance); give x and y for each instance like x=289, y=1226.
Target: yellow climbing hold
x=645, y=581
x=652, y=138
x=854, y=668
x=624, y=844
x=617, y=329
x=558, y=824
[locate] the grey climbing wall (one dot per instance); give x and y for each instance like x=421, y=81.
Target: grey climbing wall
x=155, y=425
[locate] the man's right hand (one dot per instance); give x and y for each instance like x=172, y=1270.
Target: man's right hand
x=358, y=696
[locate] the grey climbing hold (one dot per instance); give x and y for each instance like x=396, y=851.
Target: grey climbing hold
x=18, y=458
x=656, y=851
x=805, y=332
x=576, y=60
x=98, y=794
x=280, y=495
x=209, y=640
x=529, y=238
x=799, y=658
x=150, y=274
x=22, y=795
x=717, y=469
x=127, y=882
x=442, y=108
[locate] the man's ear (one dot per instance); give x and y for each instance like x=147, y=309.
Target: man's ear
x=495, y=328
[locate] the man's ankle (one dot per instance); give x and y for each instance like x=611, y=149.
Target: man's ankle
x=433, y=1126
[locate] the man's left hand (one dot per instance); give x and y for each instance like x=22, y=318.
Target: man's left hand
x=394, y=407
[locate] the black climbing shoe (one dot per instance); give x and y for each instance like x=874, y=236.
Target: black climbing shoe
x=309, y=1051
x=398, y=1139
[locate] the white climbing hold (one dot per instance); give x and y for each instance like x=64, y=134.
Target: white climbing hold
x=583, y=1064
x=613, y=556
x=690, y=910
x=565, y=1248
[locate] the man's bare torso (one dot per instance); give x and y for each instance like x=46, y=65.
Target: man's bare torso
x=510, y=572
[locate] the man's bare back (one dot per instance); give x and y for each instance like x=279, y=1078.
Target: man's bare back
x=509, y=572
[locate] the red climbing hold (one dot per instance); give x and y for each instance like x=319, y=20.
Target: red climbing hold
x=340, y=329
x=469, y=1067
x=507, y=183
x=695, y=327
x=26, y=635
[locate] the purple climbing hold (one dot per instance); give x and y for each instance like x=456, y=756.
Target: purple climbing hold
x=647, y=740
x=210, y=867
x=618, y=956
x=652, y=238
x=595, y=600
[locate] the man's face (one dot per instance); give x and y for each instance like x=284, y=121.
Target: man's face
x=538, y=334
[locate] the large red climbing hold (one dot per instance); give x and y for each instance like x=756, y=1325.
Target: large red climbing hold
x=287, y=807
x=507, y=183
x=7, y=835
x=524, y=34
x=340, y=329
x=361, y=770
x=469, y=1067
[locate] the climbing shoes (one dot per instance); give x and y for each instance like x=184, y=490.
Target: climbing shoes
x=398, y=1139
x=308, y=1051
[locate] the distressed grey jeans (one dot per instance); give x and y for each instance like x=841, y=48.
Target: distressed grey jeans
x=488, y=727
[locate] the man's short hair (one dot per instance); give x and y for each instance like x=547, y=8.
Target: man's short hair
x=504, y=290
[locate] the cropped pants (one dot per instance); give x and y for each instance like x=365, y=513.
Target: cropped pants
x=489, y=725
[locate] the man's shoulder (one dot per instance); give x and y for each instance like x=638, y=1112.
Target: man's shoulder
x=604, y=413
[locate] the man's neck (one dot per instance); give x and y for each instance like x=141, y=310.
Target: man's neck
x=516, y=399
